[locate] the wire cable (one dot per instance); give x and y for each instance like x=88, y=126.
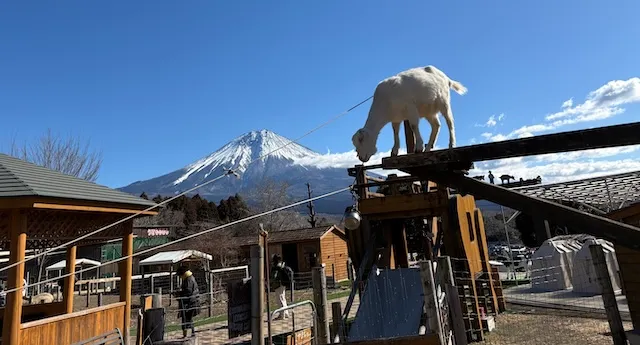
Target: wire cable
x=226, y=173
x=298, y=203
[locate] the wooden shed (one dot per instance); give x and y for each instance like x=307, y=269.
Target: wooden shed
x=328, y=243
x=41, y=208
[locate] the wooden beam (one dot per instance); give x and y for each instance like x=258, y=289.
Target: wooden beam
x=598, y=226
x=397, y=180
x=611, y=136
x=50, y=206
x=13, y=309
x=422, y=202
x=69, y=282
x=126, y=270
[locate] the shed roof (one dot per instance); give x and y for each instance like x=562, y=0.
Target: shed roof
x=295, y=235
x=19, y=178
x=60, y=265
x=613, y=191
x=172, y=257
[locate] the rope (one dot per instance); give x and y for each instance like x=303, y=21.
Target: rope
x=206, y=231
x=228, y=172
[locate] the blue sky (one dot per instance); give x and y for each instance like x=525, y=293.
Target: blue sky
x=157, y=85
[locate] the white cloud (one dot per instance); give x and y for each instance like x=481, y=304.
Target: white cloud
x=348, y=160
x=568, y=103
x=492, y=121
x=559, y=171
x=558, y=167
x=603, y=103
x=588, y=154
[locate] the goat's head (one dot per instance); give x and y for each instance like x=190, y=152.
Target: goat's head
x=365, y=144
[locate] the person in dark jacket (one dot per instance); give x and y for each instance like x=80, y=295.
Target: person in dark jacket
x=281, y=278
x=188, y=300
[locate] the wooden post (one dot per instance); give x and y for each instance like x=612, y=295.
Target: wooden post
x=333, y=276
x=399, y=242
x=13, y=307
x=608, y=295
x=151, y=283
x=320, y=300
x=126, y=269
x=100, y=299
x=336, y=319
x=430, y=297
x=88, y=293
x=257, y=295
x=210, y=293
x=170, y=283
x=70, y=281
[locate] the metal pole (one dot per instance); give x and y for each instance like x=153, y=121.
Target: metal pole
x=257, y=291
x=506, y=232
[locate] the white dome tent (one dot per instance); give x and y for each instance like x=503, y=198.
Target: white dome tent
x=585, y=280
x=551, y=263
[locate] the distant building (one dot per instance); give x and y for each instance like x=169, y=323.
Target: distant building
x=300, y=247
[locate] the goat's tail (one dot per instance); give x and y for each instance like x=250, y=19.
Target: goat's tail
x=457, y=87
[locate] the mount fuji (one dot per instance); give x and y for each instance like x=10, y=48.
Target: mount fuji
x=256, y=156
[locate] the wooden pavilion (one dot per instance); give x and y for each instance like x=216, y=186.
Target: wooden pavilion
x=41, y=208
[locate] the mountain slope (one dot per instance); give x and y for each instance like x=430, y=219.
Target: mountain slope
x=256, y=156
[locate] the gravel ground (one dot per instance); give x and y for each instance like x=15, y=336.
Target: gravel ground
x=531, y=327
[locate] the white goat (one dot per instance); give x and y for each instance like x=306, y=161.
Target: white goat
x=409, y=95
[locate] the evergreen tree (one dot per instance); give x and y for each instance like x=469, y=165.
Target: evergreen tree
x=144, y=196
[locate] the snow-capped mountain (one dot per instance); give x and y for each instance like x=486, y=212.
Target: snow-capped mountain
x=255, y=156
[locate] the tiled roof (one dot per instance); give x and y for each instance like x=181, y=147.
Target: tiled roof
x=296, y=235
x=19, y=178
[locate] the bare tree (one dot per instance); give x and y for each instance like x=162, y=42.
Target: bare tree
x=272, y=195
x=165, y=216
x=67, y=155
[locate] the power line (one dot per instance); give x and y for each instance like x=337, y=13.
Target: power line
x=227, y=172
x=192, y=236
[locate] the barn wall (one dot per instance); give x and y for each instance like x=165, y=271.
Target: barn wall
x=304, y=250
x=333, y=251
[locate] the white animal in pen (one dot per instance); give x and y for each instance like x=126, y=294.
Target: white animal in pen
x=416, y=93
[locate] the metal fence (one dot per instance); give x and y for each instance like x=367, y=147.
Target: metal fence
x=550, y=299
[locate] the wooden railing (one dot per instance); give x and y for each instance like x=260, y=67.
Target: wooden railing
x=74, y=327
x=31, y=312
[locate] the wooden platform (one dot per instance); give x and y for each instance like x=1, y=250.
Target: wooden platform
x=429, y=204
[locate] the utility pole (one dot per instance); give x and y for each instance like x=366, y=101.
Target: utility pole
x=312, y=211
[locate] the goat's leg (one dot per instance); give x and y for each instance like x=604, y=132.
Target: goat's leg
x=434, y=121
x=413, y=116
x=396, y=138
x=448, y=116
